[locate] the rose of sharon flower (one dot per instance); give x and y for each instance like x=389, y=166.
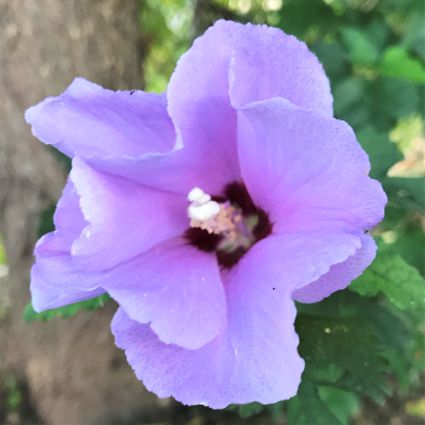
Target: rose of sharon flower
x=205, y=212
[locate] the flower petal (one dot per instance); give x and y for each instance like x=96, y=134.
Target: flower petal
x=340, y=275
x=56, y=282
x=255, y=358
x=261, y=364
x=206, y=127
x=262, y=62
x=126, y=133
x=54, y=279
x=307, y=171
x=198, y=93
x=124, y=219
x=90, y=121
x=267, y=63
x=174, y=287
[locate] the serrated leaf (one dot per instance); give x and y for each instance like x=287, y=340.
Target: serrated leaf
x=391, y=276
x=335, y=354
x=342, y=404
x=307, y=408
x=30, y=315
x=398, y=63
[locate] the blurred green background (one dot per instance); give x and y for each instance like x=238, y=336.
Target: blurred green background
x=364, y=347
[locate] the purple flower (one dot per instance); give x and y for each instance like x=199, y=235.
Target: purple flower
x=207, y=211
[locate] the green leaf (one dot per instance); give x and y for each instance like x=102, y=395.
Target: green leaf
x=390, y=275
x=361, y=49
x=300, y=17
x=407, y=192
x=410, y=241
x=30, y=315
x=389, y=99
x=308, y=408
x=382, y=152
x=247, y=410
x=342, y=404
x=331, y=55
x=398, y=63
x=2, y=253
x=350, y=94
x=46, y=224
x=414, y=38
x=335, y=352
x=378, y=31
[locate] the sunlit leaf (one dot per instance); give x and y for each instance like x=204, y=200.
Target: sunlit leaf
x=391, y=276
x=30, y=315
x=397, y=62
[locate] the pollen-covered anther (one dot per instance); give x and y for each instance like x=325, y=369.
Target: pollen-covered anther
x=211, y=216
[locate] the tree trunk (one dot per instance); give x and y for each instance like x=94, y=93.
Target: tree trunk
x=73, y=372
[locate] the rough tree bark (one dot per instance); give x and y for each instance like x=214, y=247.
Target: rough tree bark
x=74, y=373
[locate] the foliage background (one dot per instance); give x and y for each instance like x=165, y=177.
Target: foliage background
x=364, y=347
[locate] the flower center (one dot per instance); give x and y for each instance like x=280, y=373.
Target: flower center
x=228, y=225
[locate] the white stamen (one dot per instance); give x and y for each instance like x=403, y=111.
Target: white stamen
x=203, y=199
x=220, y=219
x=204, y=211
x=195, y=194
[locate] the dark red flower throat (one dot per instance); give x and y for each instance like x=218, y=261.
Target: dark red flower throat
x=255, y=225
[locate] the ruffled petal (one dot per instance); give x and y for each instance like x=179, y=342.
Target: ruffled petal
x=206, y=127
x=267, y=63
x=124, y=219
x=259, y=363
x=340, y=275
x=305, y=170
x=54, y=279
x=255, y=357
x=261, y=62
x=90, y=121
x=253, y=62
x=174, y=287
x=130, y=134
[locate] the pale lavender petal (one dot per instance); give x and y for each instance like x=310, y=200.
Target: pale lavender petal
x=90, y=121
x=176, y=288
x=340, y=275
x=199, y=105
x=259, y=363
x=307, y=171
x=178, y=171
x=125, y=219
x=198, y=93
x=68, y=220
x=207, y=131
x=56, y=282
x=255, y=358
x=267, y=63
x=54, y=279
x=262, y=62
